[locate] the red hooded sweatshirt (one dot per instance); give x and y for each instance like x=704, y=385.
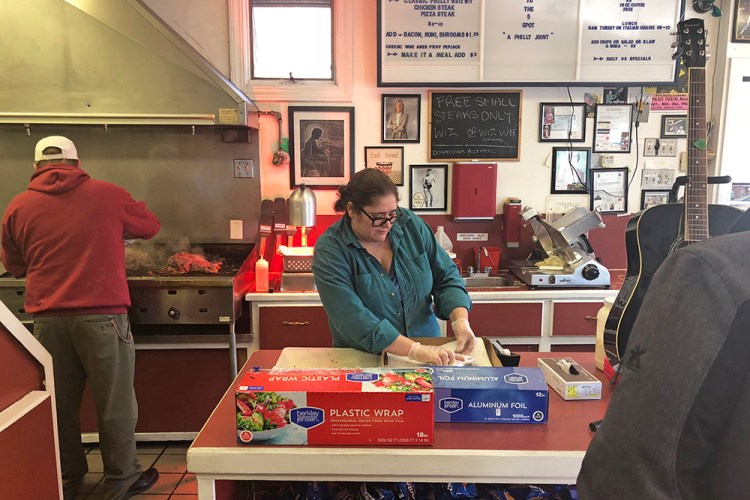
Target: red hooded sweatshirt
x=65, y=235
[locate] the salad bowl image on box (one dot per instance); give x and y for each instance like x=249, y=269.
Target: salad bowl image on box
x=262, y=416
x=377, y=406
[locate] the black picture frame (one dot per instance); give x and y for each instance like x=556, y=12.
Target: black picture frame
x=566, y=170
x=562, y=122
x=387, y=159
x=653, y=197
x=673, y=126
x=419, y=193
x=327, y=161
x=741, y=24
x=403, y=130
x=609, y=190
x=612, y=126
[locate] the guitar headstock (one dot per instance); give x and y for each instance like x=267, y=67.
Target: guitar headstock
x=691, y=43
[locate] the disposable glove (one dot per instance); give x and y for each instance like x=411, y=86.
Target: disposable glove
x=431, y=354
x=465, y=338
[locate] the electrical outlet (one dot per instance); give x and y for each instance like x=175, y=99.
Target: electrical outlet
x=243, y=168
x=660, y=147
x=235, y=229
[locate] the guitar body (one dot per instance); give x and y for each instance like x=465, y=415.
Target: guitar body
x=651, y=237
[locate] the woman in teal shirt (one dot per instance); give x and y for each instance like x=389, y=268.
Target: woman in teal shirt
x=383, y=278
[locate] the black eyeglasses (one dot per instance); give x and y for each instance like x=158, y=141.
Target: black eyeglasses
x=382, y=221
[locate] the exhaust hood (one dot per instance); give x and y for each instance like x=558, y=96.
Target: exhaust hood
x=108, y=62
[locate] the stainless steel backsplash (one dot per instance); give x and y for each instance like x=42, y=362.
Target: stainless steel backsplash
x=186, y=180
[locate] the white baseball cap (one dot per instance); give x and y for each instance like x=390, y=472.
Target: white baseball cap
x=65, y=145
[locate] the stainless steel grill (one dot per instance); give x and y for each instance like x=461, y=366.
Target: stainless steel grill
x=192, y=307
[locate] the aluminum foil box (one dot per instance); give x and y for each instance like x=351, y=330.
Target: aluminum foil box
x=490, y=395
x=358, y=407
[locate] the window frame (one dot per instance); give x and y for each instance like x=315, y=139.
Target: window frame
x=338, y=89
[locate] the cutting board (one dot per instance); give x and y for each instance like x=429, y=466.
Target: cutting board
x=326, y=357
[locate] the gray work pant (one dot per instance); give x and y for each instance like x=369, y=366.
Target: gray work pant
x=98, y=348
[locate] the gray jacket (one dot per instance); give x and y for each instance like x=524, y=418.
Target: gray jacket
x=678, y=425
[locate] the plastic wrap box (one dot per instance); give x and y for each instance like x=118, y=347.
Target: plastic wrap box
x=490, y=395
x=570, y=386
x=378, y=406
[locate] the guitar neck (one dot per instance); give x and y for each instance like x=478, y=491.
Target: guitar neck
x=696, y=192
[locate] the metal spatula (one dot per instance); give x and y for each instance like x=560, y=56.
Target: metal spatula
x=291, y=230
x=279, y=220
x=265, y=225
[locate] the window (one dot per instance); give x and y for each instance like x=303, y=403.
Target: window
x=311, y=39
x=291, y=37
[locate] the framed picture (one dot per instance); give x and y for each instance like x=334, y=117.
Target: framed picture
x=741, y=30
x=740, y=194
x=388, y=159
x=570, y=170
x=400, y=119
x=673, y=126
x=321, y=145
x=649, y=198
x=428, y=188
x=562, y=122
x=609, y=190
x=612, y=124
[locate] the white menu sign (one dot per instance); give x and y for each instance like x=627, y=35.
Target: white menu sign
x=443, y=42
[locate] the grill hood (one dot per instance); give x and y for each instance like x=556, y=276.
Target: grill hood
x=108, y=62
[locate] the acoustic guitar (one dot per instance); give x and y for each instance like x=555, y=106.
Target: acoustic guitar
x=654, y=234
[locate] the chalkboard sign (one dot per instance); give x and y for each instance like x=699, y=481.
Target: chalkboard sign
x=475, y=125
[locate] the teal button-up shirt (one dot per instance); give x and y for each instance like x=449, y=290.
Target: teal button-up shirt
x=363, y=306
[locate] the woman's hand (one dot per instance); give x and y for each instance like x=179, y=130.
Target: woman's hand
x=465, y=339
x=432, y=355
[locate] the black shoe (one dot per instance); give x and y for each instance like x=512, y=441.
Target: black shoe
x=146, y=481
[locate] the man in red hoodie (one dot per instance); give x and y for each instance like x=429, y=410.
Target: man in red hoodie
x=65, y=236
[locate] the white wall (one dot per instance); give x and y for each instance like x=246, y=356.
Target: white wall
x=528, y=178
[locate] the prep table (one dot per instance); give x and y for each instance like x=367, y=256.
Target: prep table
x=480, y=453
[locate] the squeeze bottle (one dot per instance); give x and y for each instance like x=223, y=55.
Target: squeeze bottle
x=443, y=239
x=261, y=275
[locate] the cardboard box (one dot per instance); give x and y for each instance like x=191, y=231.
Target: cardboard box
x=494, y=360
x=570, y=386
x=377, y=406
x=490, y=395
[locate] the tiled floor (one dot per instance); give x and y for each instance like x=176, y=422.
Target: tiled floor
x=168, y=458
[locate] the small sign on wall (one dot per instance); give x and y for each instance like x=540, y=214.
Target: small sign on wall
x=472, y=236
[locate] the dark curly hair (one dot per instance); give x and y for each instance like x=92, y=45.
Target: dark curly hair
x=364, y=188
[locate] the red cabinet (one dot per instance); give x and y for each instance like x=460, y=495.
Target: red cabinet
x=293, y=326
x=574, y=318
x=506, y=319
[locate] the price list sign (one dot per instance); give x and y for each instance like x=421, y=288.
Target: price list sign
x=437, y=36
x=439, y=42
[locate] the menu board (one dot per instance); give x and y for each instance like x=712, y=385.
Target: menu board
x=476, y=125
x=496, y=42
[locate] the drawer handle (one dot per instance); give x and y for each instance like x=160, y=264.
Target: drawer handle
x=295, y=323
x=591, y=317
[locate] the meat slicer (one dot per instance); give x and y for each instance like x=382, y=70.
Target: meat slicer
x=570, y=260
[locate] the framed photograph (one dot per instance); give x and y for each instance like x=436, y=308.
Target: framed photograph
x=321, y=145
x=609, y=190
x=388, y=159
x=570, y=170
x=740, y=195
x=612, y=123
x=673, y=126
x=741, y=30
x=428, y=188
x=562, y=122
x=649, y=198
x=400, y=119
